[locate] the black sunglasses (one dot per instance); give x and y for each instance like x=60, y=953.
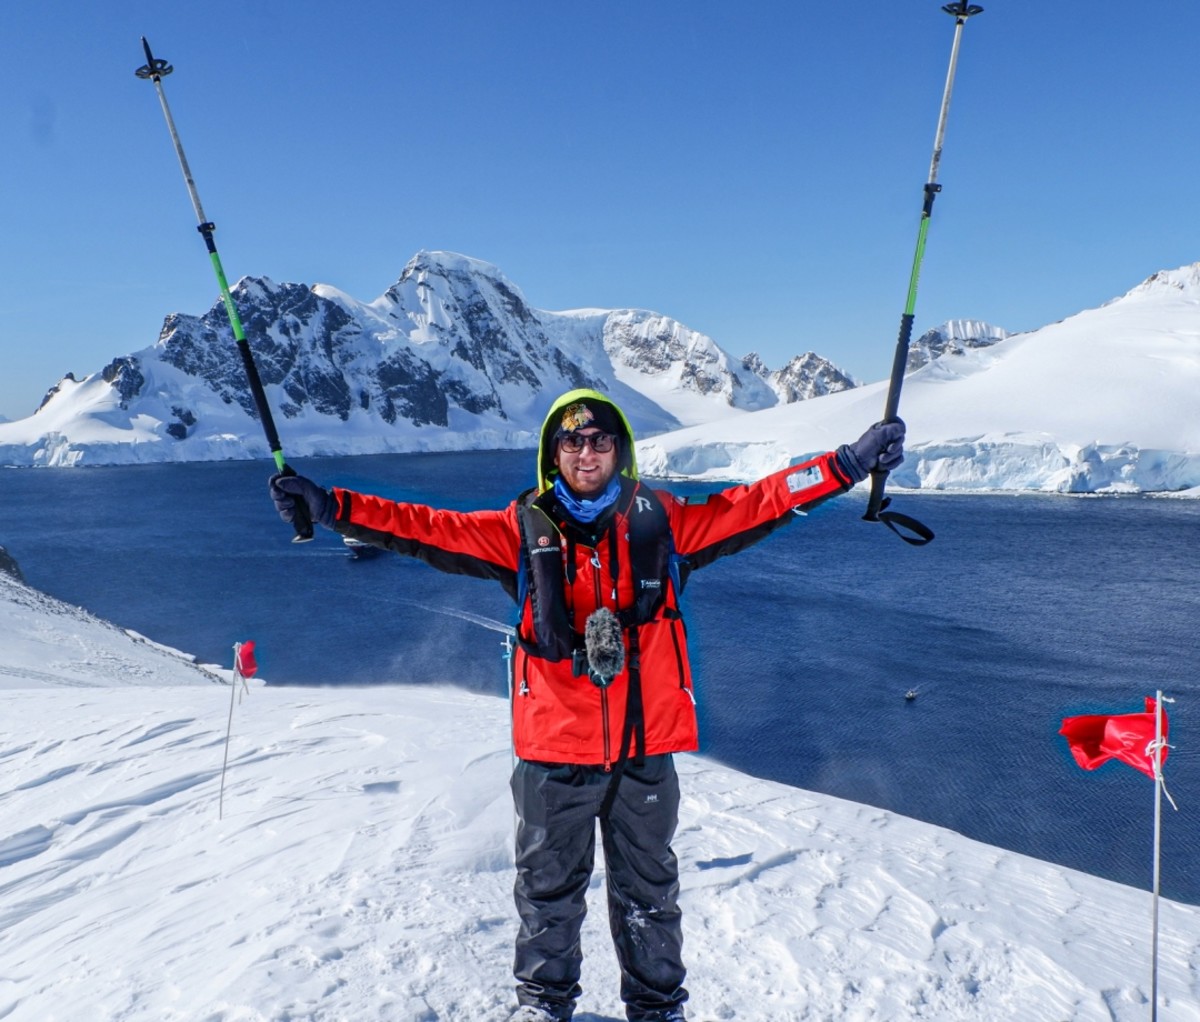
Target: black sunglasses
x=601, y=443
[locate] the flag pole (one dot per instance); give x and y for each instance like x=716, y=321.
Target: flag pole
x=1158, y=790
x=237, y=676
x=1095, y=739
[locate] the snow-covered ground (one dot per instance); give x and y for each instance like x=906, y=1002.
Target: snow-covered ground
x=363, y=868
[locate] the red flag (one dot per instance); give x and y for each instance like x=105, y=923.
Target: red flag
x=246, y=666
x=1128, y=737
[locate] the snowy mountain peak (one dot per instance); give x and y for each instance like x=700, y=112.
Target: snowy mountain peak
x=451, y=264
x=441, y=284
x=673, y=358
x=1185, y=279
x=804, y=377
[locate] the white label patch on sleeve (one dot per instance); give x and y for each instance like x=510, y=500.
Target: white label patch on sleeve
x=805, y=478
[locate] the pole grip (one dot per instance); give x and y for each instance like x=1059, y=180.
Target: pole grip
x=876, y=501
x=301, y=518
x=914, y=532
x=891, y=407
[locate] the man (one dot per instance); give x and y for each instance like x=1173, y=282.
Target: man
x=602, y=686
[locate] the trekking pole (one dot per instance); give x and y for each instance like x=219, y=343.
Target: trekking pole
x=155, y=70
x=877, y=502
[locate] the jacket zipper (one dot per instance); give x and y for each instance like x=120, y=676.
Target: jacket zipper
x=675, y=624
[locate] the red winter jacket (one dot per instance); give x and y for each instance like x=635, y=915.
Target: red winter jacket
x=558, y=716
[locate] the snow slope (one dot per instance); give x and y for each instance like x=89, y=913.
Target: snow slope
x=44, y=641
x=1102, y=402
x=363, y=869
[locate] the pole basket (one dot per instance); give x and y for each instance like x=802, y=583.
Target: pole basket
x=963, y=9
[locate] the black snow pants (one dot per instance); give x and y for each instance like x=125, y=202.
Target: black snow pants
x=557, y=807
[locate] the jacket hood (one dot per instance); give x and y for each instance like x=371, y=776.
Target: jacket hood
x=626, y=462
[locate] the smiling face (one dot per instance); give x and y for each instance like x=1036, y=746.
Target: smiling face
x=587, y=471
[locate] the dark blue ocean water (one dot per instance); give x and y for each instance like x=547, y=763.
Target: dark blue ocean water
x=1023, y=611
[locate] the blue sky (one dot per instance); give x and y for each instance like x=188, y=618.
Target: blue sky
x=753, y=170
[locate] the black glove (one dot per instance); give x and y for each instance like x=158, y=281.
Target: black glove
x=287, y=489
x=880, y=447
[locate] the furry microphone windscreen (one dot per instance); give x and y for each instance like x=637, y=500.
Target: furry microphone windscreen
x=605, y=648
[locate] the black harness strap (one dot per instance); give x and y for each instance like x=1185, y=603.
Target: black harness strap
x=635, y=726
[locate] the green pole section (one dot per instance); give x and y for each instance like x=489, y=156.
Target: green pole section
x=911, y=305
x=239, y=335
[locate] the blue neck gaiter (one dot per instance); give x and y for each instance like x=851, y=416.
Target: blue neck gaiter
x=581, y=509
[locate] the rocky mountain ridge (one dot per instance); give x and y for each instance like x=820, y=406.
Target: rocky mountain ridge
x=451, y=356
